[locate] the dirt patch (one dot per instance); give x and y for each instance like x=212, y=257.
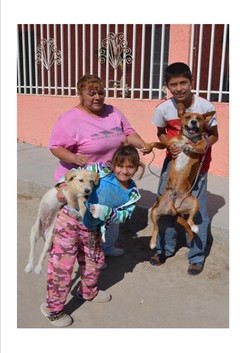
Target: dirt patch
x=143, y=296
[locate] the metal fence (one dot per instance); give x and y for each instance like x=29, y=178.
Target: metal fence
x=129, y=58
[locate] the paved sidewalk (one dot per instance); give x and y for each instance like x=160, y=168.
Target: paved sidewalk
x=36, y=165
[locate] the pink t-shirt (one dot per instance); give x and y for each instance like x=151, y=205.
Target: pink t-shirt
x=96, y=137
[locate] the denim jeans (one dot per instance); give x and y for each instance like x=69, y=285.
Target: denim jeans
x=167, y=237
x=111, y=237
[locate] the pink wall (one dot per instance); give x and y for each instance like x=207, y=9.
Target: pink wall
x=38, y=114
x=179, y=38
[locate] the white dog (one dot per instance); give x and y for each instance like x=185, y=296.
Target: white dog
x=80, y=183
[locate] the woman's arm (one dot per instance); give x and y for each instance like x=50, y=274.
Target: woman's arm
x=69, y=157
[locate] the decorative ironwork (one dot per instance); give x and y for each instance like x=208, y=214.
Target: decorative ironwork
x=47, y=53
x=115, y=49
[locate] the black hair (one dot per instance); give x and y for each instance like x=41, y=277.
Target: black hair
x=177, y=69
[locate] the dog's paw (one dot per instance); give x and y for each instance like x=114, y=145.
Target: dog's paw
x=186, y=147
x=28, y=268
x=152, y=246
x=76, y=214
x=38, y=269
x=195, y=229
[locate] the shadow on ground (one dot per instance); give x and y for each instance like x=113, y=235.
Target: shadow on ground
x=137, y=251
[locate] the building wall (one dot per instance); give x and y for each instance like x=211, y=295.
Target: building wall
x=38, y=114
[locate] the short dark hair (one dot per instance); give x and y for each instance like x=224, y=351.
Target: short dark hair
x=177, y=69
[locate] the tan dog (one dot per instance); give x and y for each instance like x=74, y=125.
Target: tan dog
x=177, y=199
x=79, y=186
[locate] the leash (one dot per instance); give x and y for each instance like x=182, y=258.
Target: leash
x=200, y=166
x=149, y=165
x=188, y=193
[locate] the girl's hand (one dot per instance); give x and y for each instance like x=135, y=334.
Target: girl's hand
x=60, y=196
x=81, y=160
x=96, y=210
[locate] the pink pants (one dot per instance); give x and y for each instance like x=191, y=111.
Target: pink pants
x=72, y=241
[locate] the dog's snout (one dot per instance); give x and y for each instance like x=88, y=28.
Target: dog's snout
x=87, y=191
x=193, y=122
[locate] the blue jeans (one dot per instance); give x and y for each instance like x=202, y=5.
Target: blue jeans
x=111, y=237
x=166, y=241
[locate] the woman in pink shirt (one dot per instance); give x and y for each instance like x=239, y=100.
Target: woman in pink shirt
x=90, y=133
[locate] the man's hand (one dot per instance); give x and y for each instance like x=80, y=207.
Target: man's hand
x=174, y=149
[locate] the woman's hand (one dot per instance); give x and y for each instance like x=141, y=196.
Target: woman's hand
x=69, y=157
x=81, y=160
x=146, y=148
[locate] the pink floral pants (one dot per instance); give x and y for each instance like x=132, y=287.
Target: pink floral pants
x=72, y=241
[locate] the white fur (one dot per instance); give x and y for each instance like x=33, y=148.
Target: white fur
x=195, y=229
x=181, y=161
x=79, y=185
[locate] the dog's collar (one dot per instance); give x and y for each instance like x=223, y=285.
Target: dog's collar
x=194, y=139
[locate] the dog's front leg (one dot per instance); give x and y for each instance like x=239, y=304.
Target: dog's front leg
x=82, y=206
x=198, y=147
x=72, y=204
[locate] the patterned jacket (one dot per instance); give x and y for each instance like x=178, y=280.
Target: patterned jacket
x=105, y=197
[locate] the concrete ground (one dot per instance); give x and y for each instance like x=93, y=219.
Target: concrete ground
x=143, y=296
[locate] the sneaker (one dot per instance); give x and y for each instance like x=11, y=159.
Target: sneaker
x=115, y=252
x=59, y=319
x=101, y=297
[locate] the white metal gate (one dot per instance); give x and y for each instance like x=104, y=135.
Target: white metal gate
x=130, y=58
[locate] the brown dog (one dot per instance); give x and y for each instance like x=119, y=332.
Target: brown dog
x=177, y=199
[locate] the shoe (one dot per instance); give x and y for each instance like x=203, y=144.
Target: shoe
x=115, y=252
x=101, y=297
x=104, y=266
x=195, y=268
x=58, y=320
x=158, y=259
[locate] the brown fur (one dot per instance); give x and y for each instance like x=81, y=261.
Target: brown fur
x=176, y=199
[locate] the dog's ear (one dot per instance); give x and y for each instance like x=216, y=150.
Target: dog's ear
x=96, y=177
x=208, y=116
x=181, y=109
x=70, y=175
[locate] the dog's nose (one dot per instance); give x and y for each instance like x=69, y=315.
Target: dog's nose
x=193, y=122
x=87, y=191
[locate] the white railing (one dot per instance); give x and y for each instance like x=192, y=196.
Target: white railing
x=130, y=58
x=222, y=51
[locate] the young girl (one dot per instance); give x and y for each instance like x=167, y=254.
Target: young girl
x=113, y=200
